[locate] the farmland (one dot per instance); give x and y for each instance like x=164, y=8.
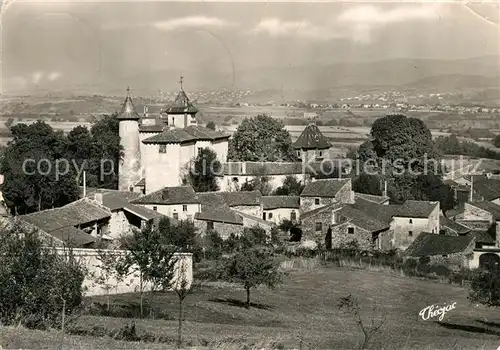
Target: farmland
x=214, y=316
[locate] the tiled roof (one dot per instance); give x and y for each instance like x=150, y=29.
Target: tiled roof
x=311, y=138
x=371, y=198
x=324, y=188
x=380, y=212
x=128, y=110
x=311, y=213
x=276, y=202
x=120, y=201
x=215, y=208
x=482, y=237
x=169, y=195
x=127, y=195
x=450, y=182
x=254, y=218
x=362, y=220
x=189, y=134
x=490, y=207
x=429, y=244
x=142, y=212
x=415, y=209
x=61, y=222
x=234, y=199
x=151, y=128
x=181, y=105
x=453, y=225
x=141, y=182
x=489, y=189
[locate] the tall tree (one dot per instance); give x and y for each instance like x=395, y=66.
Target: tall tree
x=290, y=187
x=211, y=125
x=367, y=183
x=261, y=138
x=203, y=171
x=496, y=141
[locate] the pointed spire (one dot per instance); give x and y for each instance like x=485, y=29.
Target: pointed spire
x=128, y=110
x=181, y=81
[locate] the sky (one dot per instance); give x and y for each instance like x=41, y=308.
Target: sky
x=56, y=43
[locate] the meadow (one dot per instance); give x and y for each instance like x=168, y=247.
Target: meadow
x=301, y=313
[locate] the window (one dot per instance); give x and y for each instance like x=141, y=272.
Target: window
x=298, y=153
x=155, y=208
x=293, y=216
x=131, y=188
x=176, y=216
x=235, y=179
x=410, y=233
x=199, y=150
x=320, y=154
x=163, y=149
x=316, y=201
x=270, y=215
x=350, y=230
x=411, y=221
x=210, y=226
x=184, y=207
x=319, y=226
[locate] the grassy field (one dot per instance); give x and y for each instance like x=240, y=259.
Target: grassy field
x=303, y=308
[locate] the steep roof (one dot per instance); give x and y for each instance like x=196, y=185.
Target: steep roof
x=151, y=128
x=181, y=105
x=190, y=134
x=453, y=225
x=215, y=208
x=490, y=207
x=371, y=198
x=119, y=201
x=378, y=211
x=128, y=111
x=169, y=195
x=429, y=244
x=242, y=198
x=362, y=220
x=311, y=138
x=482, y=236
x=276, y=202
x=324, y=188
x=415, y=209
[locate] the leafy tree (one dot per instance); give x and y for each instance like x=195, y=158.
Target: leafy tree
x=485, y=287
x=211, y=125
x=252, y=267
x=367, y=183
x=260, y=183
x=9, y=123
x=496, y=141
x=36, y=281
x=30, y=164
x=203, y=173
x=261, y=138
x=290, y=187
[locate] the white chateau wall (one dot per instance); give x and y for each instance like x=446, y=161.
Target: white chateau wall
x=162, y=169
x=129, y=167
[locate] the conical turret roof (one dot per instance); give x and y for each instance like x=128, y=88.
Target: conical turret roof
x=311, y=138
x=128, y=110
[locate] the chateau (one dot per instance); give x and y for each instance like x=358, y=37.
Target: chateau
x=157, y=150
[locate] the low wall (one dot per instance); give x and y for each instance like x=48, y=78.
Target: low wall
x=183, y=271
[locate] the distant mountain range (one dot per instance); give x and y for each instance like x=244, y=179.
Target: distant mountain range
x=480, y=72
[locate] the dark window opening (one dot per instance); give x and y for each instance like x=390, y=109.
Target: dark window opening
x=350, y=230
x=319, y=226
x=155, y=208
x=316, y=201
x=176, y=216
x=184, y=207
x=270, y=215
x=410, y=233
x=210, y=226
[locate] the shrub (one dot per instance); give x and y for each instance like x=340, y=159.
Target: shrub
x=34, y=281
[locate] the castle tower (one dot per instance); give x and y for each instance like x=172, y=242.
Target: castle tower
x=311, y=144
x=129, y=170
x=181, y=113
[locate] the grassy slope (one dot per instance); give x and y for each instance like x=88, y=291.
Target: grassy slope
x=306, y=304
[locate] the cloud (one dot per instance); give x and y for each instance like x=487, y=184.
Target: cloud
x=54, y=76
x=356, y=23
x=36, y=77
x=277, y=28
x=190, y=22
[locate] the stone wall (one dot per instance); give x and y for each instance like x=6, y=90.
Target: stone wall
x=454, y=261
x=90, y=258
x=308, y=203
x=346, y=194
x=119, y=225
x=341, y=236
x=308, y=225
x=223, y=229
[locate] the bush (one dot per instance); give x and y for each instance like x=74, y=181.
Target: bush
x=34, y=281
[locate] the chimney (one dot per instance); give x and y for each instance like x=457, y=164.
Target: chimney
x=384, y=192
x=98, y=198
x=145, y=111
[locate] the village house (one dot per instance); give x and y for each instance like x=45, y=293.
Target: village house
x=248, y=202
x=179, y=203
x=451, y=251
x=320, y=193
x=79, y=224
x=276, y=209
